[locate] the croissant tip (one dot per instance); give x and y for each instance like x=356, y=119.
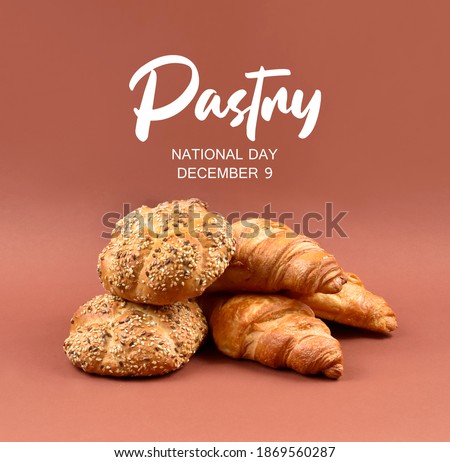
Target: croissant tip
x=390, y=323
x=334, y=372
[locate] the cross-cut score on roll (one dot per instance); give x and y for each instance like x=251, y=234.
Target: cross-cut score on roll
x=111, y=336
x=165, y=254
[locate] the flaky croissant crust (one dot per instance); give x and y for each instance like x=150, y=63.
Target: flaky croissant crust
x=354, y=305
x=276, y=331
x=270, y=257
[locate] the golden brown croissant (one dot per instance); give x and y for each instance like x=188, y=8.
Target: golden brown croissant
x=110, y=336
x=270, y=257
x=274, y=330
x=167, y=253
x=354, y=305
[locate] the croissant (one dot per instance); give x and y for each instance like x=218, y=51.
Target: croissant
x=270, y=258
x=165, y=254
x=110, y=336
x=354, y=305
x=273, y=330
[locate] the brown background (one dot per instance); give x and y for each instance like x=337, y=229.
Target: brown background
x=380, y=150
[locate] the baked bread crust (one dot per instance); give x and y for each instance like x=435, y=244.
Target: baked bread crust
x=354, y=306
x=168, y=253
x=111, y=336
x=270, y=257
x=273, y=330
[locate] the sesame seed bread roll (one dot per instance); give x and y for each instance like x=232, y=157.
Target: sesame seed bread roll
x=168, y=253
x=111, y=336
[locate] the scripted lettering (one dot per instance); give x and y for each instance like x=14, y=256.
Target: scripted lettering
x=209, y=102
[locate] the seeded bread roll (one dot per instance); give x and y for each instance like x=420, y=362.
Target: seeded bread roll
x=168, y=253
x=110, y=336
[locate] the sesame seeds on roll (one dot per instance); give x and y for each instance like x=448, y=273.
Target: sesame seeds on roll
x=111, y=336
x=168, y=253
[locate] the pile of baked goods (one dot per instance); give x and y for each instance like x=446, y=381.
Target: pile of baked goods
x=174, y=270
